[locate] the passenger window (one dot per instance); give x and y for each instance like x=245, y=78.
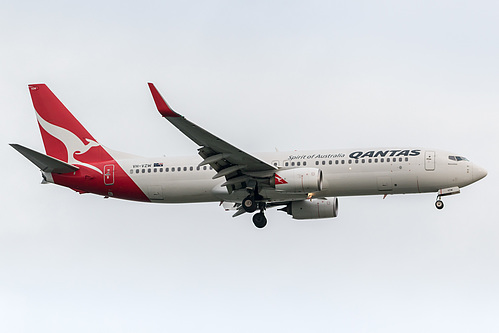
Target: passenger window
x=286, y=164
x=323, y=162
x=388, y=159
x=356, y=161
x=198, y=168
x=292, y=163
x=304, y=163
x=407, y=159
x=400, y=159
x=204, y=168
x=316, y=162
x=275, y=164
x=131, y=171
x=155, y=170
x=349, y=161
x=160, y=169
x=342, y=161
x=191, y=168
x=179, y=169
x=211, y=168
x=375, y=160
x=382, y=160
x=336, y=162
x=298, y=163
x=143, y=170
x=370, y=160
x=363, y=161
x=148, y=170
x=173, y=169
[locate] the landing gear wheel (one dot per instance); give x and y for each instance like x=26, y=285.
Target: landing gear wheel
x=439, y=204
x=259, y=220
x=249, y=204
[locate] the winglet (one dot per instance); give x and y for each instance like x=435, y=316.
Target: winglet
x=163, y=107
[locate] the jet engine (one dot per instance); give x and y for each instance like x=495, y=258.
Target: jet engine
x=313, y=209
x=299, y=180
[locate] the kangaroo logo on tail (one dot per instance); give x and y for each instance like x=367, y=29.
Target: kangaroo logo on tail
x=73, y=144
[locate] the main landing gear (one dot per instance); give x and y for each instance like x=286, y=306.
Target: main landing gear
x=250, y=205
x=259, y=220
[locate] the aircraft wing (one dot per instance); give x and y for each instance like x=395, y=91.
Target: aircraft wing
x=237, y=166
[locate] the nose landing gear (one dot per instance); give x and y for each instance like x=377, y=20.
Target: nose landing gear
x=443, y=192
x=439, y=203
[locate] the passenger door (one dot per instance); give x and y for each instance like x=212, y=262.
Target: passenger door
x=109, y=174
x=429, y=161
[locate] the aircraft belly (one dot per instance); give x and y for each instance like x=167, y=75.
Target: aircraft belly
x=352, y=184
x=188, y=191
x=371, y=183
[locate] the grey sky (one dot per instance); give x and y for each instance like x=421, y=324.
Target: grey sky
x=286, y=75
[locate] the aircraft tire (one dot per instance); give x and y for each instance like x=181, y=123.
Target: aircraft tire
x=259, y=220
x=439, y=204
x=249, y=204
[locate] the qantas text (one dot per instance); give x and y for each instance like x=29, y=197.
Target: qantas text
x=383, y=153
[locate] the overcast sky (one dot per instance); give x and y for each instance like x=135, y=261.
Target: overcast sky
x=262, y=75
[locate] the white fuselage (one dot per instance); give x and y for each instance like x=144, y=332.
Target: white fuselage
x=346, y=172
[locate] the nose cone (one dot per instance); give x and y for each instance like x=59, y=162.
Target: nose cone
x=478, y=172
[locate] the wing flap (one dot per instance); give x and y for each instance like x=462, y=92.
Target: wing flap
x=205, y=139
x=44, y=162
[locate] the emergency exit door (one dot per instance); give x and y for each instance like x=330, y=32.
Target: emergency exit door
x=109, y=174
x=429, y=161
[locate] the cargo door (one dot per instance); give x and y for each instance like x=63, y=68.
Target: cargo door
x=385, y=184
x=156, y=192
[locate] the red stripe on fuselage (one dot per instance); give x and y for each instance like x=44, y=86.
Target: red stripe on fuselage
x=89, y=180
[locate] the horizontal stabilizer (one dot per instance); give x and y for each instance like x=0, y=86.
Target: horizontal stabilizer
x=44, y=162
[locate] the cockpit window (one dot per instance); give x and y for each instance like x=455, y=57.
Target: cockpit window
x=457, y=158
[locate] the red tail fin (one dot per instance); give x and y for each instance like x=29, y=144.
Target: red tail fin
x=63, y=135
x=67, y=140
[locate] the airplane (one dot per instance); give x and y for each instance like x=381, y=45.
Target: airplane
x=305, y=184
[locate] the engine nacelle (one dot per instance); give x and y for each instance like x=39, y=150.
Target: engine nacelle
x=313, y=209
x=299, y=180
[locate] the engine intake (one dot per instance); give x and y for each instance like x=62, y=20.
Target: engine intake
x=313, y=209
x=299, y=180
